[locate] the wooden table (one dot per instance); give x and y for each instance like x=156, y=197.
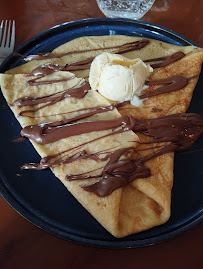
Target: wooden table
x=22, y=245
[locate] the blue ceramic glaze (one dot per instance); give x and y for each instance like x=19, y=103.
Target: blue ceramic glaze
x=42, y=199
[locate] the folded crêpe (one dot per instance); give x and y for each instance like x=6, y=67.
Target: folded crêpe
x=105, y=210
x=145, y=202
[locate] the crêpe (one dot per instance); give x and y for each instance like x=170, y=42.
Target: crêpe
x=146, y=202
x=105, y=210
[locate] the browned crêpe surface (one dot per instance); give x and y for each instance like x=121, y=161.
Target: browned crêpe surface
x=146, y=202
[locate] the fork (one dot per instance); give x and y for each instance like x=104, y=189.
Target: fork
x=7, y=38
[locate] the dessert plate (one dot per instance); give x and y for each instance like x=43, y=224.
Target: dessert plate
x=42, y=199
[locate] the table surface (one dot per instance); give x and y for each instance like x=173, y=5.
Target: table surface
x=22, y=245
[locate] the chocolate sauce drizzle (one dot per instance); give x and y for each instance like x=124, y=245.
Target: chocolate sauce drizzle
x=76, y=92
x=84, y=64
x=180, y=130
x=172, y=84
x=46, y=133
x=116, y=174
x=136, y=45
x=50, y=132
x=50, y=68
x=51, y=160
x=164, y=61
x=34, y=82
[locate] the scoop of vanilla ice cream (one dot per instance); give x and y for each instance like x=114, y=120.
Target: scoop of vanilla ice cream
x=118, y=78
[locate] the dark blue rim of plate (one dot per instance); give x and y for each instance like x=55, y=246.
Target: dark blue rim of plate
x=23, y=211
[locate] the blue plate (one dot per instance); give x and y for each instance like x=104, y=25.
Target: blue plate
x=43, y=200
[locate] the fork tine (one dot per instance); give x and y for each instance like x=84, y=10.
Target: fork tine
x=8, y=35
x=1, y=30
x=7, y=38
x=12, y=36
x=4, y=34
